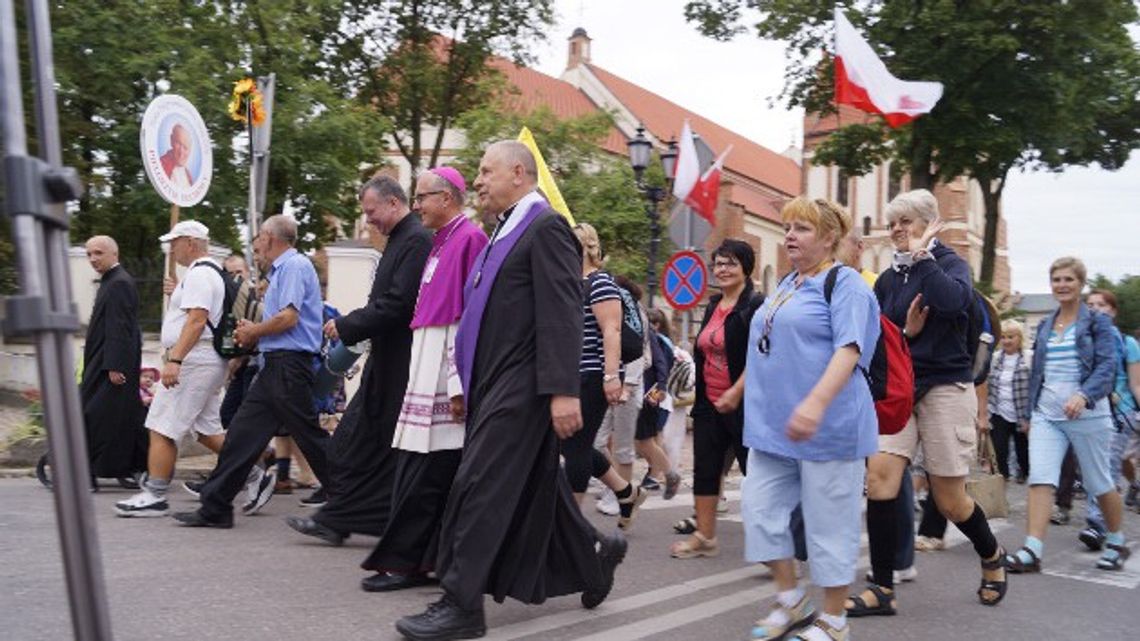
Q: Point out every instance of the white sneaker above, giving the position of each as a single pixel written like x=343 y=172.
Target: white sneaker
x=607 y=503
x=143 y=504
x=264 y=492
x=253 y=483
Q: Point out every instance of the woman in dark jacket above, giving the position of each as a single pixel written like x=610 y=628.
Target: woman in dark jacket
x=718 y=417
x=928 y=286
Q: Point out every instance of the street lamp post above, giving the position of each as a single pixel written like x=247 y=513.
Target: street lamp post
x=640 y=154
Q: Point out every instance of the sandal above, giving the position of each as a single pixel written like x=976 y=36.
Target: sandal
x=1115 y=563
x=885 y=605
x=991 y=585
x=1013 y=562
x=686 y=525
x=689 y=550
x=835 y=634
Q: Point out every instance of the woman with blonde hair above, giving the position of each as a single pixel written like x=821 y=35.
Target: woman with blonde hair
x=810 y=423
x=600 y=369
x=1008 y=401
x=1074 y=368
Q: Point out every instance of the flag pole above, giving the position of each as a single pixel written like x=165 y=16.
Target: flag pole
x=171 y=268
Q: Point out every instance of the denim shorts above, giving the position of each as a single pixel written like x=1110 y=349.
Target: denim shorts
x=1091 y=439
x=831 y=493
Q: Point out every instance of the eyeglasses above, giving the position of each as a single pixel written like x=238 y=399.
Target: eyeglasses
x=422 y=196
x=724 y=264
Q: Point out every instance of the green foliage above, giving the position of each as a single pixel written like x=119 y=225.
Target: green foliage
x=424 y=63
x=113 y=58
x=599 y=188
x=1036 y=85
x=1127 y=291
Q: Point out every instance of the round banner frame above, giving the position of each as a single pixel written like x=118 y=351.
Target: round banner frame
x=176 y=150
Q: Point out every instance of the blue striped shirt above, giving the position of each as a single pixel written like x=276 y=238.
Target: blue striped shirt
x=1063 y=377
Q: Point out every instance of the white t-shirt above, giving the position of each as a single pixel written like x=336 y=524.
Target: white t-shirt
x=200 y=288
x=1005 y=406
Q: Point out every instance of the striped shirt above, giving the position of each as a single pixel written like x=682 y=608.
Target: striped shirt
x=1063 y=377
x=599 y=286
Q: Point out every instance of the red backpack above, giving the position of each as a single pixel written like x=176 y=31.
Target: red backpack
x=891 y=376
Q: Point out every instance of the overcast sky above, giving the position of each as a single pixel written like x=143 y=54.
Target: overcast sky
x=1090 y=213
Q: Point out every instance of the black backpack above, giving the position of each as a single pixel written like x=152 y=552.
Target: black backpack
x=983 y=328
x=632 y=330
x=240 y=302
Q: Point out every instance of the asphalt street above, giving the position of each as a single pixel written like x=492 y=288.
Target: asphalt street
x=262 y=582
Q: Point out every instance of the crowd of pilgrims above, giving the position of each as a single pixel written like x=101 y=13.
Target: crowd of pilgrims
x=501 y=384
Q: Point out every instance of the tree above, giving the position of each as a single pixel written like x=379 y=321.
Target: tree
x=598 y=187
x=1029 y=85
x=114 y=58
x=423 y=63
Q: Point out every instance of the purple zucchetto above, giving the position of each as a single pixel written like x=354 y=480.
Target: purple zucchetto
x=451 y=175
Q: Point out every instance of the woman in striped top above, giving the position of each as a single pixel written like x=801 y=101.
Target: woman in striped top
x=1074 y=362
x=600 y=370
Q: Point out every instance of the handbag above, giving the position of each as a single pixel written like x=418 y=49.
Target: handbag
x=987 y=487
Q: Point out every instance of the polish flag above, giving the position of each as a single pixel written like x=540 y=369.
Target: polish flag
x=863 y=81
x=704 y=195
x=688 y=168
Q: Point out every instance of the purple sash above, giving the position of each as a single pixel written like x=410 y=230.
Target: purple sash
x=478 y=289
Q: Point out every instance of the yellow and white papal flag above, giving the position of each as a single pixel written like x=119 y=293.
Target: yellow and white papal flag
x=545 y=180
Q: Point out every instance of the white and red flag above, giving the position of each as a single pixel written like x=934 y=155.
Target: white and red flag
x=704 y=195
x=863 y=81
x=688 y=168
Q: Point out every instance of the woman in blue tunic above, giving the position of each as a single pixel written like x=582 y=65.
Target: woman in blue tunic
x=809 y=422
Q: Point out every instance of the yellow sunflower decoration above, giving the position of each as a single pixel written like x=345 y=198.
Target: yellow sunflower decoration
x=245 y=103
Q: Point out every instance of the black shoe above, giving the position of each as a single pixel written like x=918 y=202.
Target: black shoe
x=310 y=527
x=390 y=582
x=1092 y=538
x=316 y=499
x=193 y=488
x=611 y=552
x=649 y=483
x=196 y=519
x=442 y=621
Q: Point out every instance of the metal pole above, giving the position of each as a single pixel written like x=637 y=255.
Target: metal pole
x=654 y=242
x=687 y=315
x=36 y=193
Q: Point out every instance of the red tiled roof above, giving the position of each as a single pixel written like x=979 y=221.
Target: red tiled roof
x=664 y=119
x=537 y=89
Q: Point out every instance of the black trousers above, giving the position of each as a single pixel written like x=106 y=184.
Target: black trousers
x=1070 y=472
x=583 y=460
x=419 y=494
x=281 y=397
x=1004 y=430
x=715 y=435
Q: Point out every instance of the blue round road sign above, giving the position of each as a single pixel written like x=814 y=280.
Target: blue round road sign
x=684 y=280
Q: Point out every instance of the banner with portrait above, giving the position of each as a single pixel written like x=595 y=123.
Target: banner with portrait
x=176 y=150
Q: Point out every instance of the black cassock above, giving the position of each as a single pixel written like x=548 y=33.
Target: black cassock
x=511 y=526
x=361 y=460
x=113 y=414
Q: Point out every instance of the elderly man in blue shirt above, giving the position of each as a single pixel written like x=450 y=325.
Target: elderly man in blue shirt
x=289 y=338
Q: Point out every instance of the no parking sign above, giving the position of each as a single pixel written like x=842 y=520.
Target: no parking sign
x=684 y=280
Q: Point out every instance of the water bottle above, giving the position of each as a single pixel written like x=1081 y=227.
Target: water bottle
x=229 y=325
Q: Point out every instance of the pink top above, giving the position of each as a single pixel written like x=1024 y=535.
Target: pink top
x=711 y=343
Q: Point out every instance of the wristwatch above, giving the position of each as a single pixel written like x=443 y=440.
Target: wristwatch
x=609 y=377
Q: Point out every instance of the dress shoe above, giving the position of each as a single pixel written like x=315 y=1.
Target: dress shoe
x=197 y=519
x=442 y=621
x=611 y=552
x=392 y=581
x=309 y=527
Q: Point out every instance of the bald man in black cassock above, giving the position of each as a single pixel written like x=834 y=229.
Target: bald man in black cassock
x=511 y=526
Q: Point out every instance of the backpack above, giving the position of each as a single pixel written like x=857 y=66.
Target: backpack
x=632 y=330
x=681 y=383
x=983 y=319
x=240 y=302
x=891 y=375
